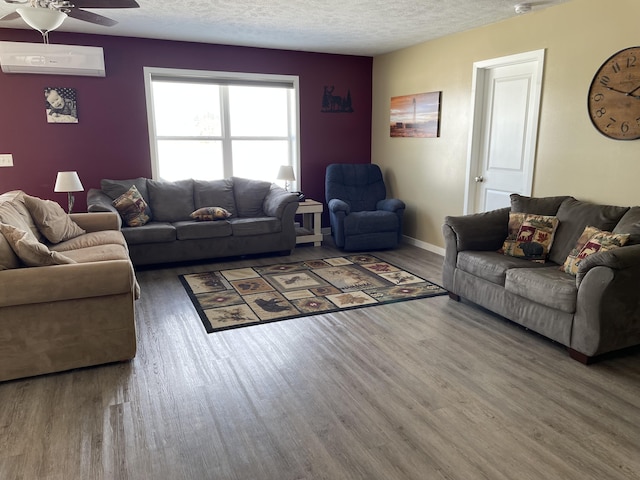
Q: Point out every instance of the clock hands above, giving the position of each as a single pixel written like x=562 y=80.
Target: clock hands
x=629 y=93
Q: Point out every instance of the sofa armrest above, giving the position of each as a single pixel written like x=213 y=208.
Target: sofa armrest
x=96 y=222
x=276 y=201
x=479 y=231
x=607 y=315
x=617 y=259
x=391 y=205
x=55 y=283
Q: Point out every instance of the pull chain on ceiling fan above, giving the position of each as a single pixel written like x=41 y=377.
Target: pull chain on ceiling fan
x=47 y=15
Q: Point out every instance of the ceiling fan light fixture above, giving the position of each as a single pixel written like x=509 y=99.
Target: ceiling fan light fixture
x=42 y=19
x=522 y=8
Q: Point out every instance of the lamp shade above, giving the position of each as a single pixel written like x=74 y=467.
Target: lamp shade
x=68 y=182
x=286 y=173
x=42 y=19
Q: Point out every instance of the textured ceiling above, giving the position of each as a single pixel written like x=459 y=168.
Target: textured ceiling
x=357 y=27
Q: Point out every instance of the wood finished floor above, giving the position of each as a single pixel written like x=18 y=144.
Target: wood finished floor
x=425 y=389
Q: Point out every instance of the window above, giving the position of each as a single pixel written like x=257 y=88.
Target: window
x=213 y=125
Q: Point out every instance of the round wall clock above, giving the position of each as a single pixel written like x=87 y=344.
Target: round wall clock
x=614 y=96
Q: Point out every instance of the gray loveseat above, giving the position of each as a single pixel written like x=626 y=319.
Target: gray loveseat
x=593 y=313
x=261 y=221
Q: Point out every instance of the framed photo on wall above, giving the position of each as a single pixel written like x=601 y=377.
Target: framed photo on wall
x=416 y=115
x=61 y=104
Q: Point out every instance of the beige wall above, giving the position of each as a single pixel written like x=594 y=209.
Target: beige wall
x=573 y=158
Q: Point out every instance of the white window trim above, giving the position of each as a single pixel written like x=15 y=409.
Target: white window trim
x=175 y=73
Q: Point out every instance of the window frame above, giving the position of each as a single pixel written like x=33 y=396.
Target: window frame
x=228 y=78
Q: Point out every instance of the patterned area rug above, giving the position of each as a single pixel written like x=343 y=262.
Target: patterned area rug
x=248 y=296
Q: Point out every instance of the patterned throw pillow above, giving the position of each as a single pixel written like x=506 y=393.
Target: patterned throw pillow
x=206 y=214
x=591 y=241
x=132 y=207
x=530 y=236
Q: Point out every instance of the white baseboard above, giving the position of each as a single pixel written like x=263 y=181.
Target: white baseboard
x=423 y=245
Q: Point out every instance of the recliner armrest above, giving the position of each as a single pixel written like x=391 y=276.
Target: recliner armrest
x=336 y=205
x=390 y=204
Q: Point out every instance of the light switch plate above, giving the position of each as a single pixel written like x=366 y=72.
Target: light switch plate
x=6 y=160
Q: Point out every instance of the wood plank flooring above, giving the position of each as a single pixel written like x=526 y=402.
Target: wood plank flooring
x=425 y=389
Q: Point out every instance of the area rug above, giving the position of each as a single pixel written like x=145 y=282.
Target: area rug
x=247 y=296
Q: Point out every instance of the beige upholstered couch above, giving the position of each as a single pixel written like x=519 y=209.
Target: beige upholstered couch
x=77 y=313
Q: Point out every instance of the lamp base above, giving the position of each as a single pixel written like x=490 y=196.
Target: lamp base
x=70 y=201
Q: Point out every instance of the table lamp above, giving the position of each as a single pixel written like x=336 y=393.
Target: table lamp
x=68 y=182
x=286 y=173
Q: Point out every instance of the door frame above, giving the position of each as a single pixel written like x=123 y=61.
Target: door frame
x=478 y=84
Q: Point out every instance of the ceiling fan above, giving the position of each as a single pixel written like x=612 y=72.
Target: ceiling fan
x=47 y=15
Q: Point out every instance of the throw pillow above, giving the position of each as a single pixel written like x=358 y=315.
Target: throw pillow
x=591 y=241
x=205 y=214
x=30 y=250
x=51 y=220
x=132 y=208
x=534 y=237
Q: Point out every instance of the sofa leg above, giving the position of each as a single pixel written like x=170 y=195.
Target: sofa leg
x=454 y=296
x=580 y=357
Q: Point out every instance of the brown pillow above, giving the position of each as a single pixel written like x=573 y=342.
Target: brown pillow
x=30 y=250
x=205 y=214
x=51 y=220
x=132 y=208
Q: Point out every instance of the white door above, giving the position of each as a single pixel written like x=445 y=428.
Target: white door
x=502 y=146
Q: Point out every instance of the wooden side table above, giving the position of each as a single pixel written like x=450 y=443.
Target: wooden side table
x=311 y=229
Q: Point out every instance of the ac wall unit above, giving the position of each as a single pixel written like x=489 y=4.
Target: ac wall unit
x=51 y=59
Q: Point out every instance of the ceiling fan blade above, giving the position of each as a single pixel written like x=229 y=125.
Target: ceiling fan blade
x=10 y=16
x=91 y=17
x=18 y=2
x=105 y=3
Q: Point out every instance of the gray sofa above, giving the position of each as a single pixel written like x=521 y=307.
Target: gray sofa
x=261 y=221
x=593 y=313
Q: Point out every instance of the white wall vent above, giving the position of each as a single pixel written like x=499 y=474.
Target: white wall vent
x=51 y=59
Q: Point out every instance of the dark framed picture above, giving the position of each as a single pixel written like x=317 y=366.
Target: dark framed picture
x=61 y=104
x=416 y=115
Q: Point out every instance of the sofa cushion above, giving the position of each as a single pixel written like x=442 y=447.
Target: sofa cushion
x=98 y=253
x=171 y=201
x=30 y=250
x=208 y=214
x=548 y=286
x=358 y=223
x=154 y=232
x=132 y=208
x=244 y=227
x=592 y=241
x=91 y=239
x=8 y=258
x=115 y=188
x=192 y=230
x=52 y=221
x=16 y=213
x=534 y=237
x=574 y=215
x=630 y=223
x=249 y=196
x=539 y=206
x=215 y=192
x=491 y=266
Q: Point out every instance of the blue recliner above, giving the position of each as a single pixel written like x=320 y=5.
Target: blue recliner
x=361 y=216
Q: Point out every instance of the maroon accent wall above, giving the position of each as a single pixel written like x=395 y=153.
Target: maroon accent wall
x=111 y=138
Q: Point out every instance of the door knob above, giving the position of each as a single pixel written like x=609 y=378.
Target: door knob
x=479 y=179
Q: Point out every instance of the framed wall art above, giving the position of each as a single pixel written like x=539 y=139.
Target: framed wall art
x=416 y=115
x=61 y=104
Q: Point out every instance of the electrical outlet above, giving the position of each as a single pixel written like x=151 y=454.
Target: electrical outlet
x=6 y=160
